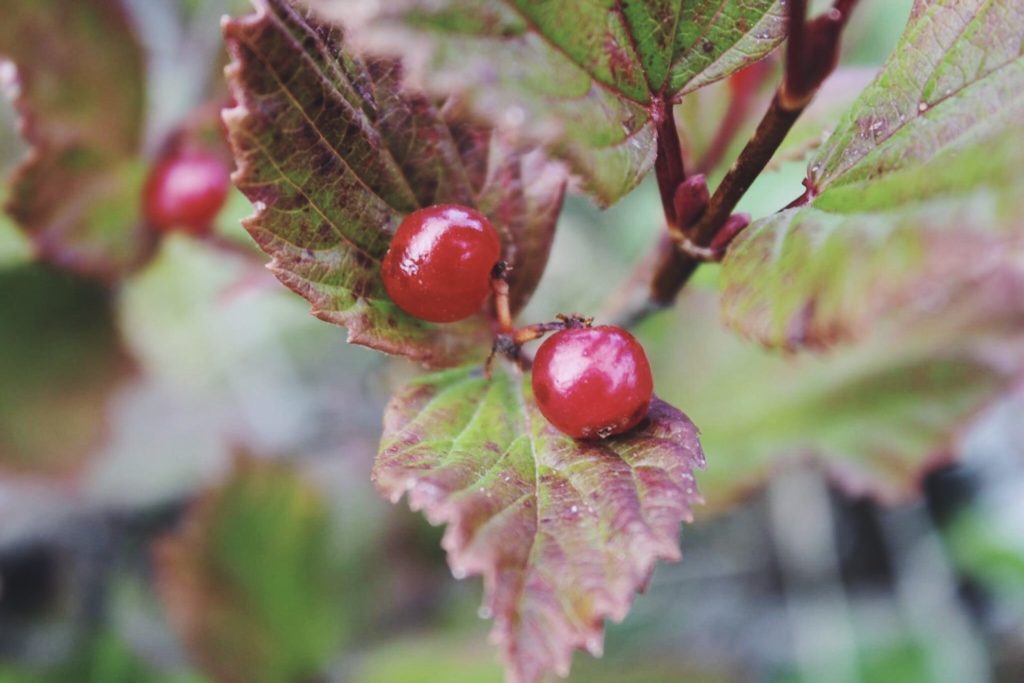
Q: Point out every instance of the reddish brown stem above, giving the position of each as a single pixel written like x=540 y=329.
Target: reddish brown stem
x=509 y=342
x=812 y=52
x=502 y=307
x=796 y=42
x=755 y=156
x=674 y=267
x=668 y=165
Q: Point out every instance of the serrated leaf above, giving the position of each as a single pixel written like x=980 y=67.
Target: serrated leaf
x=563 y=531
x=333 y=156
x=79 y=94
x=584 y=76
x=248 y=579
x=877 y=415
x=919 y=188
x=61 y=361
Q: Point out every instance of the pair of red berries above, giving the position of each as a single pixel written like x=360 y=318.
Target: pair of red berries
x=587 y=381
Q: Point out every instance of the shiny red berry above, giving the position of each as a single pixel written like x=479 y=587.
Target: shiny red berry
x=186 y=191
x=592 y=382
x=439 y=265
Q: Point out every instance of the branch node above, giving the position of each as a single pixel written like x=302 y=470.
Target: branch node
x=695 y=251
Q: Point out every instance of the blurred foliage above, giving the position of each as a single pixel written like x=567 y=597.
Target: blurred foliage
x=130 y=400
x=105 y=659
x=60 y=361
x=252 y=580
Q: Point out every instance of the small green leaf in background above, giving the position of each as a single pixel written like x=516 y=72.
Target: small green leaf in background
x=80 y=96
x=920 y=190
x=61 y=362
x=877 y=415
x=563 y=531
x=580 y=75
x=251 y=581
x=332 y=156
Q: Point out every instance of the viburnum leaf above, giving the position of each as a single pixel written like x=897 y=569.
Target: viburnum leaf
x=333 y=155
x=877 y=415
x=589 y=77
x=61 y=362
x=918 y=191
x=562 y=531
x=249 y=580
x=80 y=97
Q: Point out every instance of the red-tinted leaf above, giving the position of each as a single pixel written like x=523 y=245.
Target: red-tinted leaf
x=77 y=84
x=583 y=76
x=563 y=531
x=917 y=194
x=333 y=155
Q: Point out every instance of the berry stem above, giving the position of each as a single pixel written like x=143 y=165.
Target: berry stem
x=535 y=331
x=502 y=308
x=510 y=342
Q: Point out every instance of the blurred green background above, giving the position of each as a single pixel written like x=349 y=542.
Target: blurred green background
x=185 y=495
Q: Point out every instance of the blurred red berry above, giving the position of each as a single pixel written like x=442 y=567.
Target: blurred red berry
x=186 y=191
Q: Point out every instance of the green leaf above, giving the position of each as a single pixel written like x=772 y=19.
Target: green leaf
x=562 y=531
x=333 y=156
x=918 y=188
x=61 y=362
x=876 y=415
x=585 y=76
x=250 y=580
x=79 y=94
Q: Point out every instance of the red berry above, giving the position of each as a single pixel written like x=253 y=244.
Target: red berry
x=593 y=381
x=186 y=191
x=439 y=265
